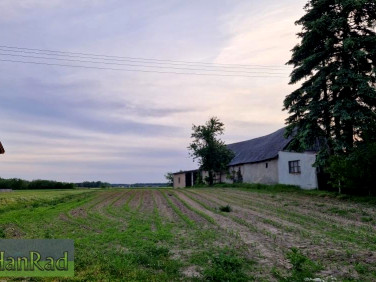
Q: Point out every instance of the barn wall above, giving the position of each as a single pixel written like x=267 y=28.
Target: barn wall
x=217 y=177
x=259 y=173
x=307 y=178
x=181 y=183
x=263 y=172
x=225 y=179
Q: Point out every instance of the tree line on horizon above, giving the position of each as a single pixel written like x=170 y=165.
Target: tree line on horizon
x=21 y=184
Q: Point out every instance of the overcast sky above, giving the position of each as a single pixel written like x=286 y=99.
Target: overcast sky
x=76 y=124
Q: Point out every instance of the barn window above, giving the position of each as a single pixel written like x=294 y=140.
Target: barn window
x=294 y=166
x=266 y=165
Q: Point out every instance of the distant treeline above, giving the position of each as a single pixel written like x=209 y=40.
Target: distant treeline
x=20 y=184
x=93 y=184
x=147 y=185
x=99 y=184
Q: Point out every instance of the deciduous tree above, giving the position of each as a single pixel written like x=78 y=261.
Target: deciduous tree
x=212 y=154
x=170 y=178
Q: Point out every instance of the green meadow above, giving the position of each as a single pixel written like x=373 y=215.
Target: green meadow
x=201 y=234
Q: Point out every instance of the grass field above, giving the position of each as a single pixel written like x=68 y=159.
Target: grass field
x=215 y=234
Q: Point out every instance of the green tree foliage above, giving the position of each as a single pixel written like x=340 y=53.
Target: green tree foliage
x=20 y=184
x=170 y=178
x=211 y=152
x=354 y=173
x=335 y=62
x=93 y=184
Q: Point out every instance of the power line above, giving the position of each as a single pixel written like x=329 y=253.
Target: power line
x=138 y=65
x=143 y=59
x=137 y=61
x=135 y=70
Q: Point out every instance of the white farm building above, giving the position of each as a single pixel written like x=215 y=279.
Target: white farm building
x=262 y=160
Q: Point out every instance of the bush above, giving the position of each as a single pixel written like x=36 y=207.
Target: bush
x=225 y=208
x=353 y=173
x=225 y=266
x=302 y=267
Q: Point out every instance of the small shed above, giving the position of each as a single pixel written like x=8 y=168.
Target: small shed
x=185 y=178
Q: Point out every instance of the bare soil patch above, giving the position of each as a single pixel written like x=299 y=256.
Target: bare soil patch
x=122 y=200
x=79 y=212
x=135 y=202
x=192 y=272
x=192 y=215
x=164 y=208
x=12 y=231
x=147 y=203
x=105 y=199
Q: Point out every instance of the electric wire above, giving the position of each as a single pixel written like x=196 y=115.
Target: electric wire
x=138 y=65
x=135 y=70
x=22 y=49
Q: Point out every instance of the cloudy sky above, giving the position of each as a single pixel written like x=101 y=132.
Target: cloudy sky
x=76 y=124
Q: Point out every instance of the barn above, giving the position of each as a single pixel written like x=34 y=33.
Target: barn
x=263 y=160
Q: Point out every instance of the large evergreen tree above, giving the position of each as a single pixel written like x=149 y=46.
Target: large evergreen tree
x=211 y=152
x=335 y=63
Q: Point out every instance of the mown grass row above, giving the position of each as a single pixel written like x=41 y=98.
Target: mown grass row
x=333 y=230
x=347 y=239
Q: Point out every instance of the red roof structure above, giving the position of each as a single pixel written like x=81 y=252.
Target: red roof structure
x=2 y=151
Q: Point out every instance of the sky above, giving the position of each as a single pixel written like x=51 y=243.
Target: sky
x=76 y=124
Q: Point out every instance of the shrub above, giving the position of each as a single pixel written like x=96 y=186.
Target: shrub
x=226 y=208
x=353 y=173
x=302 y=267
x=225 y=266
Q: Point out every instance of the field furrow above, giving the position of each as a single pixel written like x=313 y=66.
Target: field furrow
x=209 y=234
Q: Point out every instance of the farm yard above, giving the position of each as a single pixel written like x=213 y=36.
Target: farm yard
x=197 y=234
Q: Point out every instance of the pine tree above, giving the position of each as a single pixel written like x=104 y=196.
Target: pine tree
x=335 y=61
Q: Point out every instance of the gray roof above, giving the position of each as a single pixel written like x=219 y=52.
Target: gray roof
x=259 y=149
x=186 y=171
